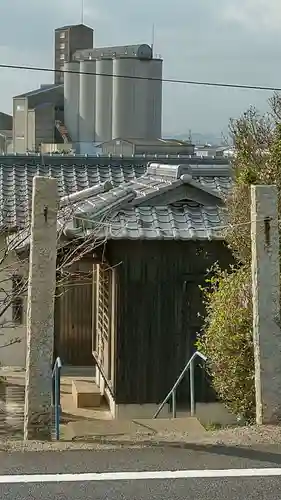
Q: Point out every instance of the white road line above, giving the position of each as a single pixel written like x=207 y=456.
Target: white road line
x=141 y=475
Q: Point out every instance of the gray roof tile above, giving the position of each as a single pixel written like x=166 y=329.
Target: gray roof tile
x=111 y=214
x=184 y=221
x=16 y=184
x=222 y=185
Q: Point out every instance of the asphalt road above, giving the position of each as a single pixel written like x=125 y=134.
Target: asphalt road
x=189 y=458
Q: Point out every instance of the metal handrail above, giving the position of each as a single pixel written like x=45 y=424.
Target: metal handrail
x=100 y=369
x=56 y=395
x=189 y=365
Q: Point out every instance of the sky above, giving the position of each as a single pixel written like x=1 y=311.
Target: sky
x=231 y=41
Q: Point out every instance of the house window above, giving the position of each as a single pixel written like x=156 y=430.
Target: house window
x=62 y=34
x=103 y=317
x=17 y=299
x=104 y=302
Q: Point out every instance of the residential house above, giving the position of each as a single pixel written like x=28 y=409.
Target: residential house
x=153 y=240
x=130 y=301
x=16 y=174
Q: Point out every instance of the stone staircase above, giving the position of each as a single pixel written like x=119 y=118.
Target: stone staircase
x=12 y=394
x=85 y=393
x=86 y=416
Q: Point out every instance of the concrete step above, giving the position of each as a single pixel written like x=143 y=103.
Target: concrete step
x=85 y=393
x=92 y=429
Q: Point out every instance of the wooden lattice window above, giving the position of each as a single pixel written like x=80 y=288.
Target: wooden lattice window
x=104 y=301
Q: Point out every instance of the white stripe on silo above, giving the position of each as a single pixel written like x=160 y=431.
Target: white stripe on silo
x=71 y=99
x=104 y=100
x=87 y=98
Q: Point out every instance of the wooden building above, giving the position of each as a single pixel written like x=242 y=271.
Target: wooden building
x=153 y=241
x=130 y=303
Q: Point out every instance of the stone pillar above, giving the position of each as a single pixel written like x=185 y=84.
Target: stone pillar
x=266 y=303
x=40 y=309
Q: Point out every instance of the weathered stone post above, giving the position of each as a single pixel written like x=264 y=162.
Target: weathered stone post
x=266 y=303
x=40 y=309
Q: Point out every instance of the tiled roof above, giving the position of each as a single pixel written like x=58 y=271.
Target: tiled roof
x=141 y=187
x=145 y=188
x=16 y=184
x=183 y=221
x=114 y=214
x=221 y=185
x=131 y=183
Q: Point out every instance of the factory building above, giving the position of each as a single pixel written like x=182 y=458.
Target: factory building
x=113 y=92
x=105 y=93
x=36 y=118
x=6 y=133
x=69 y=39
x=142 y=147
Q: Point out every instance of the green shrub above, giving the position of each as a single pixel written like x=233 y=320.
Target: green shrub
x=227 y=339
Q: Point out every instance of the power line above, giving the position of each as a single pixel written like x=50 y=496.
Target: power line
x=164 y=80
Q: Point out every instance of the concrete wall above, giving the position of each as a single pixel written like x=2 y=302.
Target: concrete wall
x=104 y=100
x=30 y=136
x=129 y=97
x=13 y=355
x=87 y=101
x=20 y=124
x=46 y=148
x=71 y=99
x=137 y=98
x=154 y=99
x=44 y=124
x=6 y=121
x=73 y=38
x=6 y=141
x=118 y=147
x=25 y=124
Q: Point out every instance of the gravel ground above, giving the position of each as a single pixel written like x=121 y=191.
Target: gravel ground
x=240 y=436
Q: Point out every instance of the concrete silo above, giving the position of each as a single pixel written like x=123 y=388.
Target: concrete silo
x=87 y=104
x=128 y=92
x=104 y=100
x=136 y=99
x=71 y=99
x=155 y=84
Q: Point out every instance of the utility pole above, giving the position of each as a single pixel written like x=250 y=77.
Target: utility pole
x=40 y=309
x=266 y=303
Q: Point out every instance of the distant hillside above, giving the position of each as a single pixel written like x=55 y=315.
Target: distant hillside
x=198 y=138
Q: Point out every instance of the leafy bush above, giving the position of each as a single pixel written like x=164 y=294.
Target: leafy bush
x=226 y=338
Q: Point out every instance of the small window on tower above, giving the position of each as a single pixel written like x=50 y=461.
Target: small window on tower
x=62 y=46
x=62 y=34
x=62 y=56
